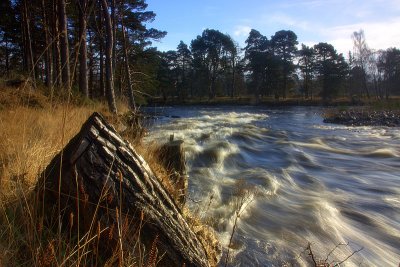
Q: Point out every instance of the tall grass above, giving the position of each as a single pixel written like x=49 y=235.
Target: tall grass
x=33 y=129
x=32 y=132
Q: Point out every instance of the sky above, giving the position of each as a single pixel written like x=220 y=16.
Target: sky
x=314 y=21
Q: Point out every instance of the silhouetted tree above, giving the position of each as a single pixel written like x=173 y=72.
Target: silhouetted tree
x=284 y=44
x=255 y=57
x=331 y=69
x=307 y=64
x=183 y=62
x=389 y=65
x=10 y=33
x=209 y=52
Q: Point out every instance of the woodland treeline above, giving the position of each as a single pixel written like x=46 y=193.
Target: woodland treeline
x=94 y=47
x=214 y=65
x=103 y=49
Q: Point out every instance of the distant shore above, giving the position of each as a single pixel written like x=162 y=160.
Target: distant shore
x=343 y=111
x=360 y=117
x=251 y=101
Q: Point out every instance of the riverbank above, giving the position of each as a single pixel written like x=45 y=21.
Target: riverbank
x=252 y=101
x=350 y=112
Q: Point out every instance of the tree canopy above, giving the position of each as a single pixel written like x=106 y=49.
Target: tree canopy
x=103 y=49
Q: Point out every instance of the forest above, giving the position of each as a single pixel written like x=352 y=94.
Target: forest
x=104 y=49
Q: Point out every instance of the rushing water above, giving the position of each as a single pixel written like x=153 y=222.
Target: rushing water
x=320 y=183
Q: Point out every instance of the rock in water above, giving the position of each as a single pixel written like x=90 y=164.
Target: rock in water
x=100 y=179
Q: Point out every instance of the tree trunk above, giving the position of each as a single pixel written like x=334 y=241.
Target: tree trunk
x=83 y=79
x=65 y=76
x=56 y=45
x=101 y=66
x=233 y=78
x=284 y=84
x=101 y=51
x=91 y=65
x=131 y=95
x=109 y=82
x=7 y=54
x=99 y=176
x=172 y=157
x=30 y=61
x=365 y=84
x=120 y=76
x=47 y=60
x=23 y=42
x=114 y=30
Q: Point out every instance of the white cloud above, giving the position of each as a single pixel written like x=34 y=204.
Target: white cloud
x=241 y=31
x=307 y=3
x=379 y=35
x=285 y=20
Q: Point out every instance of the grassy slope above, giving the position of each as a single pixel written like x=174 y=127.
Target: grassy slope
x=33 y=129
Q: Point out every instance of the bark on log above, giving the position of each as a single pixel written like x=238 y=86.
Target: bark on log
x=98 y=172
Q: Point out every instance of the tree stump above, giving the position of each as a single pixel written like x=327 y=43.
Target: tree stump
x=100 y=179
x=172 y=156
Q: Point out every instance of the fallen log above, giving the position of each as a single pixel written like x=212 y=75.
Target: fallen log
x=99 y=179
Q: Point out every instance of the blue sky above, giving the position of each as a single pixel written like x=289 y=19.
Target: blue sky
x=313 y=21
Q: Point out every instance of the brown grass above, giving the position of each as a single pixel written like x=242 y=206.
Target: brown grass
x=206 y=236
x=33 y=129
x=149 y=153
x=30 y=137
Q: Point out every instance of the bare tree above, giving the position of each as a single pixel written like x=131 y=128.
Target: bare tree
x=375 y=73
x=361 y=56
x=109 y=47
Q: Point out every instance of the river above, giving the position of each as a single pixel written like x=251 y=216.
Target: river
x=311 y=182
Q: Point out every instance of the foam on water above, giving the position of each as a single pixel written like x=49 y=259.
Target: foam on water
x=385 y=152
x=318 y=183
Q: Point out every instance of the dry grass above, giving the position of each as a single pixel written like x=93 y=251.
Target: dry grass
x=33 y=129
x=206 y=236
x=149 y=153
x=29 y=139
